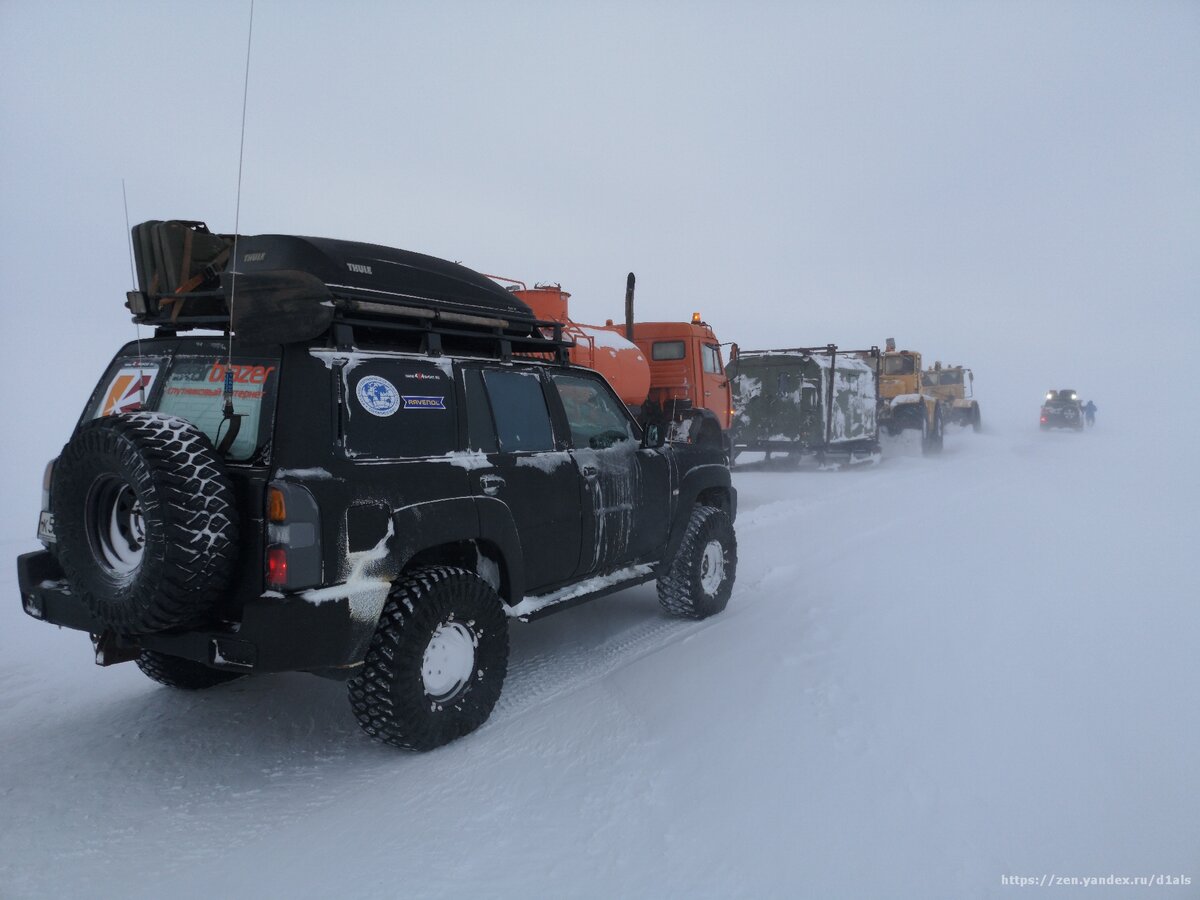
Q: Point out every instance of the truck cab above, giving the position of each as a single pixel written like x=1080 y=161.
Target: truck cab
x=686 y=367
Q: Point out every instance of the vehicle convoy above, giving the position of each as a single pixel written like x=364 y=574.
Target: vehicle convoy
x=670 y=373
x=817 y=401
x=954 y=387
x=1061 y=409
x=904 y=403
x=366 y=482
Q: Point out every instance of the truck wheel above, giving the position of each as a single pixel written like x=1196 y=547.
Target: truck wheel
x=700 y=579
x=976 y=421
x=186 y=674
x=436 y=663
x=146 y=521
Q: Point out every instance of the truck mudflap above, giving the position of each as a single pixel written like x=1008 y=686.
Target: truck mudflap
x=320 y=636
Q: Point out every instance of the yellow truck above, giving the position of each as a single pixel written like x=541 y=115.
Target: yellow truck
x=904 y=403
x=954 y=388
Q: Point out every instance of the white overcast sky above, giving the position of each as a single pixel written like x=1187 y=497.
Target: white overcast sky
x=1014 y=185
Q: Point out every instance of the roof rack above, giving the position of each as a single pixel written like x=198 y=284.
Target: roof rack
x=827 y=350
x=286 y=289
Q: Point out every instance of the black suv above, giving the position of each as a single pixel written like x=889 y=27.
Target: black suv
x=1061 y=409
x=388 y=461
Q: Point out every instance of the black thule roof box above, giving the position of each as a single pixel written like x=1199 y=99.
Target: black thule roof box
x=284 y=288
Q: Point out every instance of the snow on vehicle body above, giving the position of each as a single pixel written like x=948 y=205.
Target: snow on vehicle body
x=954 y=387
x=807 y=400
x=399 y=482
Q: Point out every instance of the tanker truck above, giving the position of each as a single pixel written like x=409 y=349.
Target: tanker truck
x=670 y=373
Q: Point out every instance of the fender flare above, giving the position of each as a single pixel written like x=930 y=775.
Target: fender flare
x=695 y=482
x=425 y=526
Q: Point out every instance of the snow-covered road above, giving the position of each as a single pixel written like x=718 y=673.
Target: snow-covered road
x=933 y=673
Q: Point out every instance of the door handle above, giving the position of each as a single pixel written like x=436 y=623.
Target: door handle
x=589 y=471
x=491 y=484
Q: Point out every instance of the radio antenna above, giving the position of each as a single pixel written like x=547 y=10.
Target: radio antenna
x=230 y=417
x=133 y=287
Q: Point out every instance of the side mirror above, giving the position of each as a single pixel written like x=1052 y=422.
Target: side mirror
x=653 y=436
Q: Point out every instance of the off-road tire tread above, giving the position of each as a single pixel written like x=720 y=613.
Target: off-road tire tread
x=387 y=695
x=180 y=477
x=679 y=591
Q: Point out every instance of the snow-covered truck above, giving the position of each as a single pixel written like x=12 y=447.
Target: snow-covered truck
x=954 y=386
x=904 y=403
x=805 y=401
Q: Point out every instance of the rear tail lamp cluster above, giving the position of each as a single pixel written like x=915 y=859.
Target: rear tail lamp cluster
x=293 y=555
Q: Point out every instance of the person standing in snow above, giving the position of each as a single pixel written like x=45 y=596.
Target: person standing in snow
x=1089 y=412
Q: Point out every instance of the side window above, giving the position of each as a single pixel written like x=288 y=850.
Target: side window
x=400 y=408
x=663 y=350
x=710 y=359
x=481 y=430
x=594 y=414
x=519 y=410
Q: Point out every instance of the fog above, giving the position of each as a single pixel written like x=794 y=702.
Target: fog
x=1010 y=186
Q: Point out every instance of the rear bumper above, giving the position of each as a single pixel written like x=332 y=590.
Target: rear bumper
x=276 y=634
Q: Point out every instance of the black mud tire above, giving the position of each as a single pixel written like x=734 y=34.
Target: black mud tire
x=184 y=674
x=389 y=696
x=170 y=544
x=687 y=588
x=976 y=420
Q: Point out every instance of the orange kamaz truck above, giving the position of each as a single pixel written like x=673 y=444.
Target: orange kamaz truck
x=670 y=372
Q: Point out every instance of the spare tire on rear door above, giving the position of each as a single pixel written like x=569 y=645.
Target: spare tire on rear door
x=145 y=520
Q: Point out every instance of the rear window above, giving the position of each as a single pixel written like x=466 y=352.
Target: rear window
x=192 y=387
x=400 y=408
x=664 y=350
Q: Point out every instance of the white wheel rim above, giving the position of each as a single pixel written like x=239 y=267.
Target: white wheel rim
x=448 y=662
x=712 y=567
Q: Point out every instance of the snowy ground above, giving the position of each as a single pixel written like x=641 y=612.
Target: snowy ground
x=933 y=673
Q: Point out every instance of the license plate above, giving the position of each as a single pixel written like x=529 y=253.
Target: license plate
x=46 y=527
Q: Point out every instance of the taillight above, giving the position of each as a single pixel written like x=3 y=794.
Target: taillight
x=276 y=505
x=293 y=537
x=277 y=567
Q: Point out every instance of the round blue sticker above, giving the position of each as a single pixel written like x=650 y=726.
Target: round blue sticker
x=378 y=396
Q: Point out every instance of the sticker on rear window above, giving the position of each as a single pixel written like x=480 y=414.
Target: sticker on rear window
x=128 y=390
x=377 y=396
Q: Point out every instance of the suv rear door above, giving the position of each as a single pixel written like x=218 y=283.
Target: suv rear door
x=508 y=421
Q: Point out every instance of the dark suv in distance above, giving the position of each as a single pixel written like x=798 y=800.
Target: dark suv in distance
x=1061 y=409
x=389 y=461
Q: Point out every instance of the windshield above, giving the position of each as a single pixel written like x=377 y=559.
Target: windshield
x=898 y=365
x=192 y=387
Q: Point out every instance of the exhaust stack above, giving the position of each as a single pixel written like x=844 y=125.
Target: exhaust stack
x=629 y=283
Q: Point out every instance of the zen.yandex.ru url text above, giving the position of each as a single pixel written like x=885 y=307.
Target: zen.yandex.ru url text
x=1052 y=880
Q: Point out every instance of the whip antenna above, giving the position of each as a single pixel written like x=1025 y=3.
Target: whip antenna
x=133 y=287
x=234 y=421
